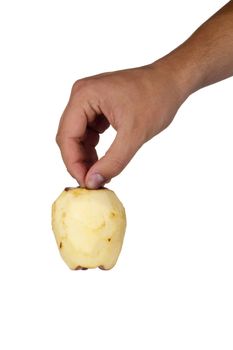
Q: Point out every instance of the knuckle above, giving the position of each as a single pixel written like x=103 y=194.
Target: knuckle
x=58 y=139
x=78 y=85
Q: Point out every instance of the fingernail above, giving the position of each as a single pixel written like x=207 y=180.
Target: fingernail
x=95 y=181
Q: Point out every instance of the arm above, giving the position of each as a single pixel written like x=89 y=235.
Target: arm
x=139 y=103
x=207 y=56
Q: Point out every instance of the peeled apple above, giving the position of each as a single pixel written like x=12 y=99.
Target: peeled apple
x=89 y=227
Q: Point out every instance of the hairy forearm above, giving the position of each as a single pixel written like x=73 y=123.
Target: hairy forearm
x=207 y=56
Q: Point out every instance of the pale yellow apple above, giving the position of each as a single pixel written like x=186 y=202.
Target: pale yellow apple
x=89 y=227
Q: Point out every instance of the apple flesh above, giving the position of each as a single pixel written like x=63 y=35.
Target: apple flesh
x=89 y=227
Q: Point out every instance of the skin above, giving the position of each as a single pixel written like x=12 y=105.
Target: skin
x=141 y=102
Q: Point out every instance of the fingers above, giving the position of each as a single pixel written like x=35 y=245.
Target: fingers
x=91 y=138
x=115 y=160
x=100 y=124
x=77 y=137
x=71 y=131
x=76 y=159
x=78 y=132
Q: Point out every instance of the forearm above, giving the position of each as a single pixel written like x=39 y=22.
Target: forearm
x=207 y=56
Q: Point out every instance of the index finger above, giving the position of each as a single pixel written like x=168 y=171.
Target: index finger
x=71 y=131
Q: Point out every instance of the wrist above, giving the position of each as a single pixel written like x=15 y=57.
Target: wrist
x=182 y=67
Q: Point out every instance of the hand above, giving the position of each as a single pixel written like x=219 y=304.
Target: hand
x=138 y=103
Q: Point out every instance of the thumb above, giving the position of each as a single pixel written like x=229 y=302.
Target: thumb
x=113 y=162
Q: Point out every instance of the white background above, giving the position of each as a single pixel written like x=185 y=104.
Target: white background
x=172 y=286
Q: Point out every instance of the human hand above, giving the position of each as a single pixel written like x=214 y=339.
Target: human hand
x=138 y=103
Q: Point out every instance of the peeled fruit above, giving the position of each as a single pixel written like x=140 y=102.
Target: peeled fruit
x=89 y=227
